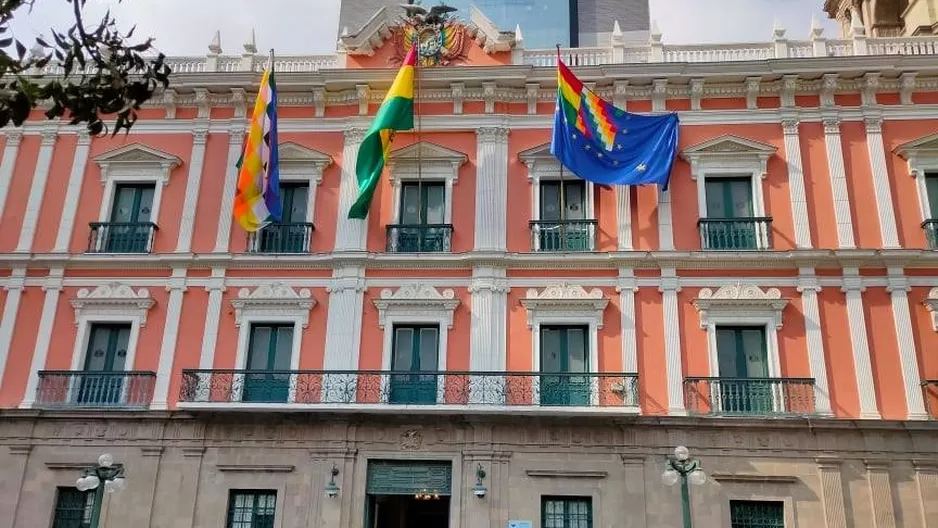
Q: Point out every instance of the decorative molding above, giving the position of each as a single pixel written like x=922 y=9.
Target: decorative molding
x=565 y=299
x=564 y=473
x=742 y=300
x=931 y=304
x=458 y=91
x=487 y=35
x=754 y=478
x=112 y=299
x=434 y=162
x=135 y=157
x=921 y=157
x=414 y=301
x=295 y=156
x=254 y=468
x=277 y=299
x=728 y=147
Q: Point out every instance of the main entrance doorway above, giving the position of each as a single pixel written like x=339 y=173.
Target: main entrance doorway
x=408 y=494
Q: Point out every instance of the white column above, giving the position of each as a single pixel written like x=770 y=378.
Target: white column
x=14 y=288
x=669 y=289
x=344 y=319
x=853 y=288
x=73 y=192
x=799 y=203
x=627 y=286
x=37 y=190
x=488 y=337
x=215 y=289
x=350 y=233
x=665 y=227
x=624 y=215
x=808 y=287
x=898 y=288
x=193 y=183
x=176 y=287
x=52 y=287
x=838 y=176
x=887 y=217
x=491 y=228
x=235 y=144
x=10 y=150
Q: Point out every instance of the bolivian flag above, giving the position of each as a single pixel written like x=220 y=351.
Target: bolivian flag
x=396 y=113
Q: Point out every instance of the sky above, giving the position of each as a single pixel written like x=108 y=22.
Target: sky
x=309 y=27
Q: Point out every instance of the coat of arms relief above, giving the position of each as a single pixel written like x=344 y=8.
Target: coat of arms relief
x=440 y=37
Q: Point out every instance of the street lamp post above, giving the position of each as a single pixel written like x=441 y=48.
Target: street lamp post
x=103 y=478
x=681 y=467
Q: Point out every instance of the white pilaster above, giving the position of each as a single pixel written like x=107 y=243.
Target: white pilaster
x=215 y=289
x=52 y=287
x=808 y=287
x=350 y=233
x=10 y=150
x=73 y=193
x=38 y=189
x=235 y=144
x=669 y=288
x=881 y=189
x=491 y=228
x=898 y=288
x=627 y=286
x=838 y=176
x=193 y=184
x=665 y=227
x=176 y=287
x=853 y=288
x=14 y=288
x=344 y=320
x=488 y=340
x=799 y=202
x=624 y=215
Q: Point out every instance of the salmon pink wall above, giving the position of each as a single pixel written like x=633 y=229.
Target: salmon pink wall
x=860 y=185
x=519 y=188
x=792 y=346
x=838 y=352
x=214 y=172
x=817 y=185
x=905 y=198
x=926 y=338
x=645 y=218
x=21 y=347
x=652 y=366
x=314 y=337
x=884 y=354
x=50 y=212
x=189 y=338
x=18 y=193
x=607 y=227
x=695 y=351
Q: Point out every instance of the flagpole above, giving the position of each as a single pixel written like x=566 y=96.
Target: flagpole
x=563 y=205
x=270 y=60
x=419 y=123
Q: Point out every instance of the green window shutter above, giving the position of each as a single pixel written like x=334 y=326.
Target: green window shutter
x=931 y=188
x=397 y=477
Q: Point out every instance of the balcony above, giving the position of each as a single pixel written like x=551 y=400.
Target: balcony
x=457 y=392
x=65 y=389
x=930 y=390
x=420 y=238
x=121 y=237
x=563 y=235
x=763 y=397
x=288 y=238
x=931 y=233
x=734 y=234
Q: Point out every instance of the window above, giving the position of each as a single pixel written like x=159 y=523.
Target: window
x=564 y=352
x=130 y=226
x=743 y=364
x=931 y=221
x=415 y=351
x=757 y=514
x=270 y=350
x=422 y=219
x=563 y=224
x=292 y=234
x=72 y=508
x=251 y=509
x=102 y=379
x=566 y=512
x=730 y=222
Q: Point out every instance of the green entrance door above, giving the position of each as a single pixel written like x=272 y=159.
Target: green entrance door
x=744 y=370
x=130 y=227
x=102 y=383
x=416 y=351
x=564 y=354
x=268 y=378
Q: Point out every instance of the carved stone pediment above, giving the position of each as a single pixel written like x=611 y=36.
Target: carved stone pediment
x=295 y=157
x=540 y=162
x=137 y=157
x=565 y=299
x=925 y=144
x=274 y=299
x=416 y=300
x=931 y=304
x=740 y=300
x=738 y=151
x=112 y=299
x=436 y=161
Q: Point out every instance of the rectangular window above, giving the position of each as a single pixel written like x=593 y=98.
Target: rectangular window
x=729 y=197
x=130 y=227
x=416 y=350
x=422 y=203
x=563 y=200
x=563 y=224
x=72 y=508
x=564 y=360
x=744 y=368
x=292 y=233
x=931 y=188
x=566 y=512
x=757 y=514
x=102 y=378
x=270 y=350
x=251 y=508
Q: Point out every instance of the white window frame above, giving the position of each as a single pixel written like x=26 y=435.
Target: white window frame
x=415 y=304
x=543 y=166
x=565 y=304
x=299 y=164
x=744 y=305
x=931 y=304
x=135 y=163
x=270 y=303
x=730 y=156
x=427 y=162
x=921 y=156
x=108 y=303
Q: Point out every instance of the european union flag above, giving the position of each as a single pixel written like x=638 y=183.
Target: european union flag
x=606 y=145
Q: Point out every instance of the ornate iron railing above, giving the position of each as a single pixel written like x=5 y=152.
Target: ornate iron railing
x=457 y=389
x=420 y=238
x=749 y=396
x=930 y=393
x=78 y=389
x=735 y=233
x=563 y=235
x=281 y=238
x=121 y=237
x=931 y=232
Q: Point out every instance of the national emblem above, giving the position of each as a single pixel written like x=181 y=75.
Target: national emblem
x=441 y=39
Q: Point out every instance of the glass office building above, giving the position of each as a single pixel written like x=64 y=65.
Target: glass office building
x=544 y=23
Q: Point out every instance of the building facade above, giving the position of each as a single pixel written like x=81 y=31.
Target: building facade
x=883 y=18
x=499 y=343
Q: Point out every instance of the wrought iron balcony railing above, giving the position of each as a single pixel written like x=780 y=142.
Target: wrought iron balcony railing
x=281 y=238
x=563 y=235
x=420 y=238
x=931 y=232
x=930 y=390
x=459 y=391
x=121 y=237
x=67 y=389
x=735 y=233
x=749 y=397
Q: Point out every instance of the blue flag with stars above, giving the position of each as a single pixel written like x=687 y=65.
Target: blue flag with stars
x=607 y=145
